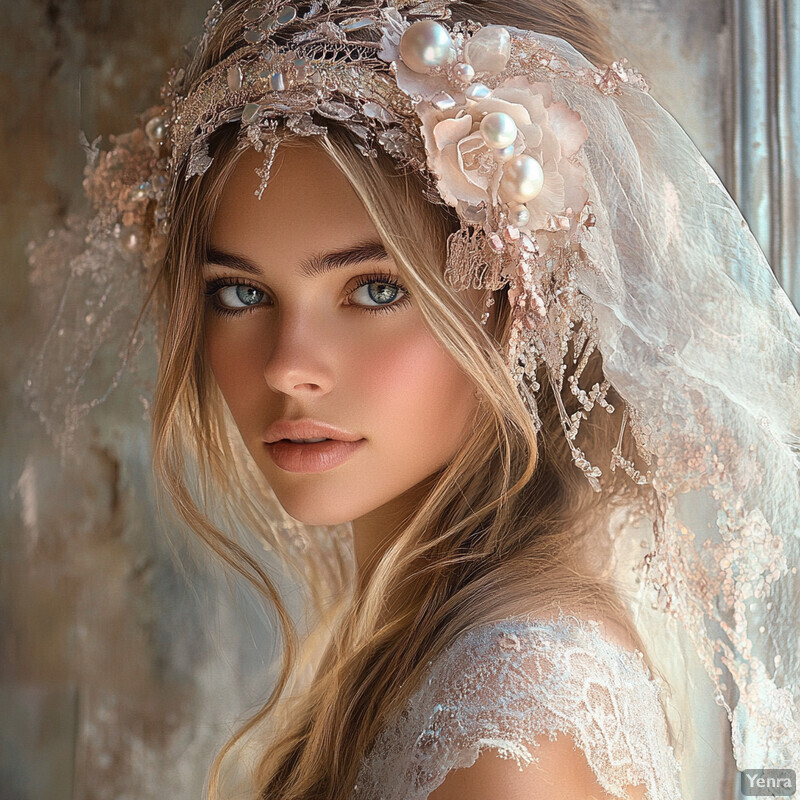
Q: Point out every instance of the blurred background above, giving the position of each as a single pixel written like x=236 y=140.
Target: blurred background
x=125 y=659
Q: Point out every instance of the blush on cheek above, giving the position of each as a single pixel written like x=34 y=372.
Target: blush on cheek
x=401 y=370
x=423 y=392
x=224 y=360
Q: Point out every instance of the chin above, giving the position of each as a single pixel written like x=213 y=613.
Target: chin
x=332 y=505
x=314 y=510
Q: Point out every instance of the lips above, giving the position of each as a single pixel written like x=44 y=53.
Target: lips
x=304 y=429
x=287 y=442
x=313 y=456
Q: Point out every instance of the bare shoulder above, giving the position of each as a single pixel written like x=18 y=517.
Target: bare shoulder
x=561 y=770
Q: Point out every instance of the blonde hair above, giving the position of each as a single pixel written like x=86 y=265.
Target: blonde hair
x=495 y=536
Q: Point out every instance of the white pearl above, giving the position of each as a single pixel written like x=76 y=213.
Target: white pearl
x=477 y=91
x=498 y=130
x=519 y=216
x=156 y=130
x=523 y=179
x=424 y=45
x=489 y=49
x=464 y=72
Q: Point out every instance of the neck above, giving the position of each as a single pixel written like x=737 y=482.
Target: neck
x=375 y=531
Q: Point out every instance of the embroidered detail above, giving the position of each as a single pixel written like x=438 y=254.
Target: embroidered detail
x=504 y=685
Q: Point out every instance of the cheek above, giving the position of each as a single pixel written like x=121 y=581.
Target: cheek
x=233 y=355
x=420 y=391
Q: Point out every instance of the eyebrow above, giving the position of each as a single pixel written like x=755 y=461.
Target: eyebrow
x=317 y=264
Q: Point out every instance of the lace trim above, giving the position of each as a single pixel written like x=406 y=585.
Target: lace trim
x=502 y=686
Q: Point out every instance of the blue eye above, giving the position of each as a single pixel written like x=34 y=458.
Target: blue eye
x=239 y=296
x=378 y=293
x=374 y=293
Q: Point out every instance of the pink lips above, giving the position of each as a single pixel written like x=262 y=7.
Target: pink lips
x=309 y=457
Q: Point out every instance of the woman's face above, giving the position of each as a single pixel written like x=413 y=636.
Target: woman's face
x=311 y=335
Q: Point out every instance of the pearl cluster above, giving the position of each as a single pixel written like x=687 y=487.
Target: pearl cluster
x=426 y=47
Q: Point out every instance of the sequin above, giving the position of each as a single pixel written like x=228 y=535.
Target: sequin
x=443 y=101
x=250 y=112
x=277 y=82
x=254 y=36
x=254 y=13
x=375 y=111
x=335 y=110
x=356 y=24
x=235 y=78
x=286 y=15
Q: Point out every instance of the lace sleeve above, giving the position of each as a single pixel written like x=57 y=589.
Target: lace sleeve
x=502 y=686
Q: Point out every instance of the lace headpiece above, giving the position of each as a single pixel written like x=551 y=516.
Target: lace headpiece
x=576 y=191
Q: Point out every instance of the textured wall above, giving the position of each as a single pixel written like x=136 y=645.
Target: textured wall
x=681 y=47
x=120 y=678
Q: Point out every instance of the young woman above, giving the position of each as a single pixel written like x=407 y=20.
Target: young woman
x=438 y=296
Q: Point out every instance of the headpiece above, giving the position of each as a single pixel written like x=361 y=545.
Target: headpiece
x=578 y=192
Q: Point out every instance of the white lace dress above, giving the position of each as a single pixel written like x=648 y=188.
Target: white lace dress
x=502 y=686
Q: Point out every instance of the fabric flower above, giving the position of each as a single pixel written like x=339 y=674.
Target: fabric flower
x=466 y=167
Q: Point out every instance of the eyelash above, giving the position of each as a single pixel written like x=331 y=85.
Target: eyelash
x=390 y=280
x=213 y=286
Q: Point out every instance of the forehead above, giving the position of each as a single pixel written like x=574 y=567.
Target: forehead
x=308 y=205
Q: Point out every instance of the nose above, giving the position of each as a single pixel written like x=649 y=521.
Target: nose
x=300 y=359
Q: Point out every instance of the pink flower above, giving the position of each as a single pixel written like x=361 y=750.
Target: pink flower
x=467 y=168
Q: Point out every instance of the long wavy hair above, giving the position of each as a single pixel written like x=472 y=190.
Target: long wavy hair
x=504 y=529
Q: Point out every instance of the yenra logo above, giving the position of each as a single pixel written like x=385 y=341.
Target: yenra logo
x=768 y=782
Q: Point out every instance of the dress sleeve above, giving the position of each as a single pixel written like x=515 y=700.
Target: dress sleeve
x=505 y=685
